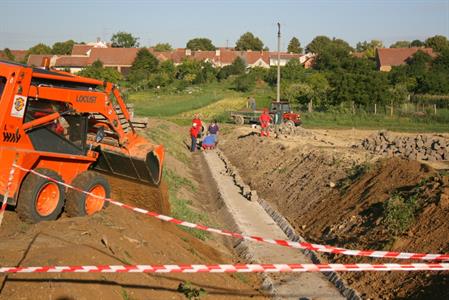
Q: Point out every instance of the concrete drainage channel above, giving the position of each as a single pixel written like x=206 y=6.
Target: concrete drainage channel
x=251 y=215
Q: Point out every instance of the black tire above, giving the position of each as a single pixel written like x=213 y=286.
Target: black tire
x=239 y=120
x=289 y=123
x=30 y=190
x=76 y=201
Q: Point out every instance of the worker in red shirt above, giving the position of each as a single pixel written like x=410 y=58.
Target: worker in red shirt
x=199 y=125
x=264 y=121
x=193 y=136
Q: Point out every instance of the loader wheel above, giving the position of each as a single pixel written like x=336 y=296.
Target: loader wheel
x=40 y=199
x=79 y=204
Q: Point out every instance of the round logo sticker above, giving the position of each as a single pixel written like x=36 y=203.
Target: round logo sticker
x=19 y=103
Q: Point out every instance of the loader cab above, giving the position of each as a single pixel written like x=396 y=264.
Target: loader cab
x=66 y=134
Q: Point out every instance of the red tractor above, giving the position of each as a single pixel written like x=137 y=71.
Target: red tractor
x=281 y=109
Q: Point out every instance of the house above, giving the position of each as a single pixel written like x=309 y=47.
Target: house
x=254 y=59
x=121 y=59
x=284 y=58
x=19 y=55
x=387 y=58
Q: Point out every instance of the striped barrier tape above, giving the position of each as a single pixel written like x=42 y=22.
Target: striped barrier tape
x=285 y=243
x=8 y=187
x=238 y=268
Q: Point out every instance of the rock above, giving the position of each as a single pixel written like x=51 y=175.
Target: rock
x=254 y=197
x=332 y=184
x=444 y=199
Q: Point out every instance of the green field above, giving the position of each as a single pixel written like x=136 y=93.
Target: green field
x=439 y=123
x=214 y=101
x=153 y=104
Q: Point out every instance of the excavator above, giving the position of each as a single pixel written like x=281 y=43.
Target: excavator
x=70 y=129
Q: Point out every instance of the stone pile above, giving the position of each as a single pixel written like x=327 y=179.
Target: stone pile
x=419 y=147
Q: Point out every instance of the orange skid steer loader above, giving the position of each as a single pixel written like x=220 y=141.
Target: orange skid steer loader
x=67 y=127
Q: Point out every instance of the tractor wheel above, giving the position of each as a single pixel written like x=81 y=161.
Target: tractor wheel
x=239 y=120
x=79 y=204
x=289 y=123
x=40 y=199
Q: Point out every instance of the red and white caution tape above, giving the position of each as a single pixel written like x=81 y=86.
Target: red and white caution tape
x=285 y=243
x=239 y=268
x=8 y=187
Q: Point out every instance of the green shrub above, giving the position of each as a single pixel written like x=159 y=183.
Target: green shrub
x=399 y=213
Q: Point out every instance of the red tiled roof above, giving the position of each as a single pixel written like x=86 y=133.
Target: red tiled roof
x=398 y=56
x=37 y=59
x=203 y=55
x=227 y=56
x=285 y=55
x=72 y=61
x=113 y=56
x=19 y=55
x=81 y=49
x=253 y=56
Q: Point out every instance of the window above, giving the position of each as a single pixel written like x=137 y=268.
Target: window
x=67 y=134
x=2 y=86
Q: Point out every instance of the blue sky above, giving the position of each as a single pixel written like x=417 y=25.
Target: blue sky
x=24 y=23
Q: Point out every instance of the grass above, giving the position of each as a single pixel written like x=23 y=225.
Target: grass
x=215 y=100
x=191 y=292
x=153 y=104
x=370 y=121
x=173 y=141
x=181 y=208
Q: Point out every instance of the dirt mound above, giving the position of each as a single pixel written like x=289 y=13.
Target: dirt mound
x=329 y=198
x=119 y=236
x=114 y=236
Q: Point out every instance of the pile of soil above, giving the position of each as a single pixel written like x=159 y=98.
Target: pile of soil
x=118 y=236
x=330 y=198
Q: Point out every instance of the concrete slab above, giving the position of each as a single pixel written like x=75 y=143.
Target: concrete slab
x=251 y=219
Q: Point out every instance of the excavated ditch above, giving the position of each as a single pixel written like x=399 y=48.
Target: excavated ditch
x=332 y=196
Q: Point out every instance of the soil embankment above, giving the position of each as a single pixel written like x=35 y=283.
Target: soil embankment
x=117 y=236
x=335 y=194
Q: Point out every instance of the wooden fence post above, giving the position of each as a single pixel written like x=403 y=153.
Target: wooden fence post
x=375 y=108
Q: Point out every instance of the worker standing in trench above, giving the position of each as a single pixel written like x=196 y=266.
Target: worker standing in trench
x=264 y=121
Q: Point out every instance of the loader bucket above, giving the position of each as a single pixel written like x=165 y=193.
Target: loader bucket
x=146 y=169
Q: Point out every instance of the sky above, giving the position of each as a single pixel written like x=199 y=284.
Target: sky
x=24 y=23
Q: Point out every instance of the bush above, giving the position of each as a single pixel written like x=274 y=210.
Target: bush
x=244 y=83
x=399 y=213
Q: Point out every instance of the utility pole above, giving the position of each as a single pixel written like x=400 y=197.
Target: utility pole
x=278 y=94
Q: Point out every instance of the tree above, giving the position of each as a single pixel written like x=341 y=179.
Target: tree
x=39 y=49
x=417 y=43
x=318 y=43
x=369 y=48
x=144 y=64
x=203 y=44
x=63 y=48
x=8 y=54
x=161 y=47
x=248 y=41
x=294 y=46
x=401 y=44
x=438 y=43
x=238 y=66
x=97 y=71
x=124 y=40
x=244 y=83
